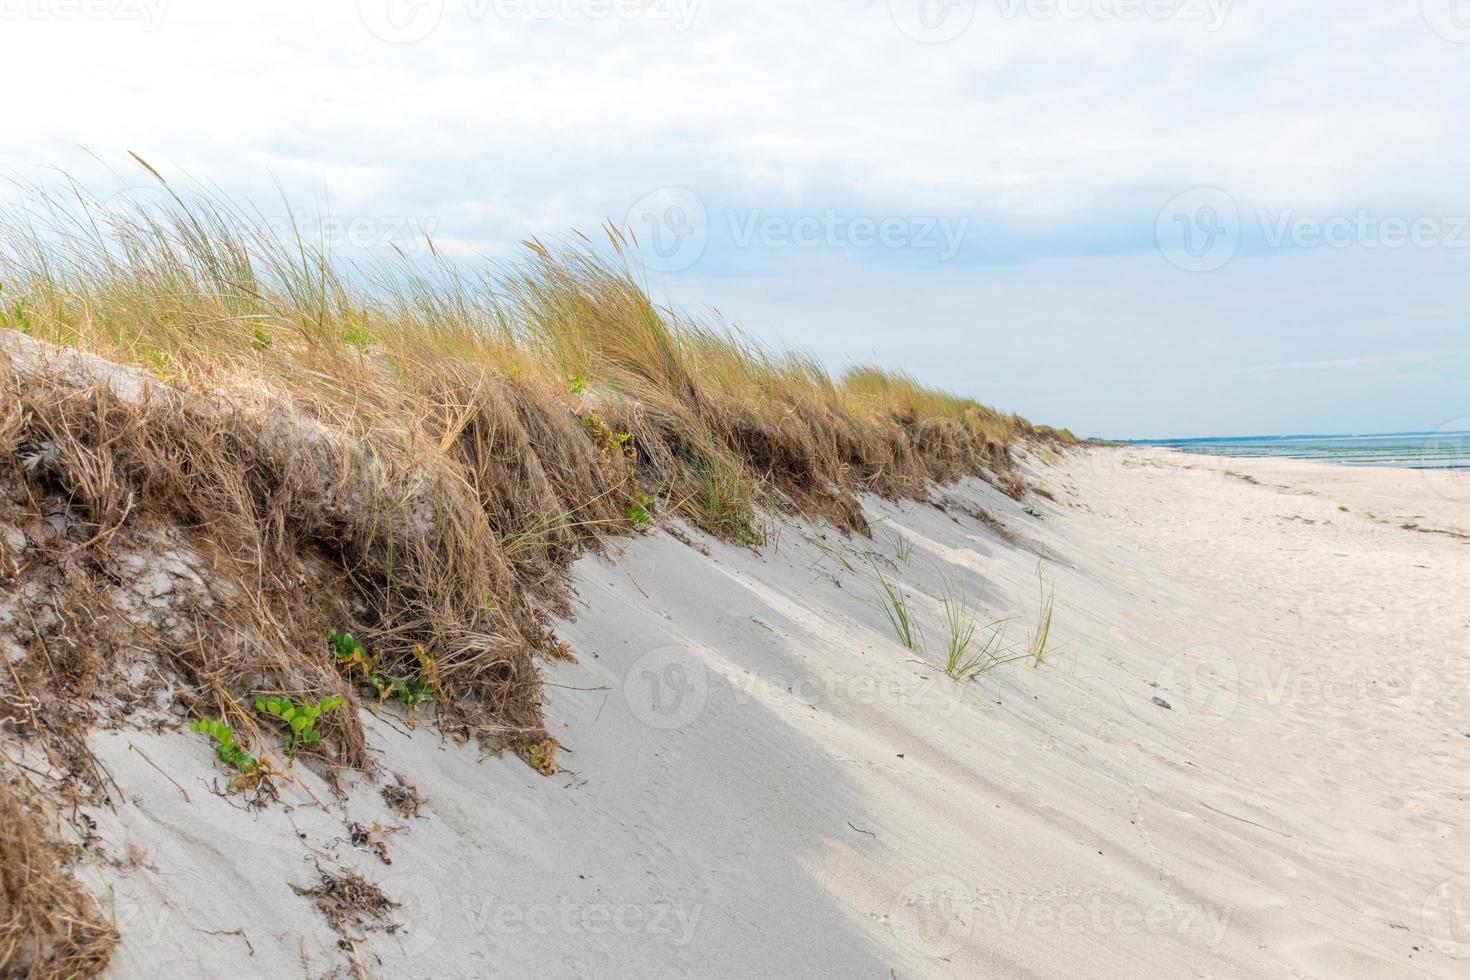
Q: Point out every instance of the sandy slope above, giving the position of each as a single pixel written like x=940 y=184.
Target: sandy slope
x=762 y=783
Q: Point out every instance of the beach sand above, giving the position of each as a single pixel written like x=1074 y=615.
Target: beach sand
x=760 y=781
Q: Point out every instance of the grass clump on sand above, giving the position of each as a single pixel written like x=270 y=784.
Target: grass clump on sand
x=963 y=660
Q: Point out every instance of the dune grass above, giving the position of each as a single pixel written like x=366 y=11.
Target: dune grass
x=963 y=659
x=1037 y=647
x=414 y=451
x=456 y=434
x=894 y=603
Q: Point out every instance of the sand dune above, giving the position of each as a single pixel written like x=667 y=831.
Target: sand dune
x=759 y=781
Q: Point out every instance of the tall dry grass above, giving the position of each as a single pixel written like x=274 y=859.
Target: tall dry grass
x=414 y=451
x=450 y=438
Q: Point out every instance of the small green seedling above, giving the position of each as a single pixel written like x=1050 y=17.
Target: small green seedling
x=225 y=746
x=301 y=718
x=577 y=384
x=350 y=654
x=412 y=691
x=638 y=504
x=352 y=657
x=1034 y=512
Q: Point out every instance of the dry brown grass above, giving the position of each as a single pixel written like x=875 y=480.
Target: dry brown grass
x=49 y=926
x=445 y=441
x=216 y=445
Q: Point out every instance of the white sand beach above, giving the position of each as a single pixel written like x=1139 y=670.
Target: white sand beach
x=759 y=781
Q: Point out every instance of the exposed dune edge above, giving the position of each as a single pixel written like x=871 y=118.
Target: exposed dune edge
x=757 y=780
x=169 y=550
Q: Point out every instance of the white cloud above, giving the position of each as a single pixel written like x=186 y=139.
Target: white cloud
x=1057 y=138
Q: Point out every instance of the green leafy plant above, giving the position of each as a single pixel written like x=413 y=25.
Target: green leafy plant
x=300 y=718
x=350 y=654
x=412 y=691
x=352 y=658
x=1034 y=512
x=638 y=504
x=259 y=339
x=225 y=746
x=577 y=384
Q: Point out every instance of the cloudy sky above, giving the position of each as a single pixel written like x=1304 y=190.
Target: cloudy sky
x=1132 y=217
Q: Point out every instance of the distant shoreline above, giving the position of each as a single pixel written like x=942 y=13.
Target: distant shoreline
x=1409 y=450
x=1286 y=438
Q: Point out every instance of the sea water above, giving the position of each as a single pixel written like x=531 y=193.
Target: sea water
x=1419 y=450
